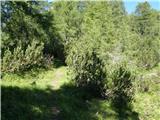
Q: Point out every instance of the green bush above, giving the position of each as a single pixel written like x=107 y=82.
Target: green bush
x=122 y=85
x=148 y=53
x=92 y=68
x=88 y=67
x=20 y=59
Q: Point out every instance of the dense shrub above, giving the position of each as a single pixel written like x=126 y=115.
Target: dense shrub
x=122 y=85
x=93 y=36
x=110 y=76
x=88 y=68
x=148 y=53
x=146 y=25
x=20 y=59
x=26 y=35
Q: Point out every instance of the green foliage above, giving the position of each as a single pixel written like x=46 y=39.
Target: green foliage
x=26 y=101
x=148 y=55
x=102 y=45
x=146 y=25
x=88 y=69
x=61 y=25
x=67 y=25
x=26 y=35
x=123 y=80
x=20 y=59
x=20 y=24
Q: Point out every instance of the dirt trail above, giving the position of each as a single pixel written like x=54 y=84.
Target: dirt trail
x=56 y=83
x=58 y=75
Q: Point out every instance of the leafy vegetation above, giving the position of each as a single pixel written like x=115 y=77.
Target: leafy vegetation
x=24 y=99
x=80 y=60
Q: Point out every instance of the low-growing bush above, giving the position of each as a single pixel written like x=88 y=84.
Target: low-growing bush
x=109 y=79
x=148 y=54
x=20 y=59
x=122 y=85
x=88 y=69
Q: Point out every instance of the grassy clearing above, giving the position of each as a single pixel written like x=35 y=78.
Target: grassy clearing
x=147 y=100
x=29 y=96
x=49 y=95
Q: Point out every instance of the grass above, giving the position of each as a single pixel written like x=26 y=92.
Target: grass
x=147 y=100
x=49 y=95
x=29 y=95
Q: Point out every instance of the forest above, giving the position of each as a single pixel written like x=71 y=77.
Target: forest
x=79 y=60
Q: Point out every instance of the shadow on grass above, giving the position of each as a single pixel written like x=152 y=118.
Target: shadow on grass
x=66 y=103
x=35 y=104
x=25 y=104
x=123 y=107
